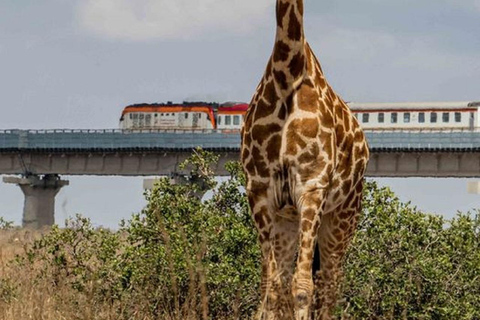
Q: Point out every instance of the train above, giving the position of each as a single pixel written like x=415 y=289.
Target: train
x=187 y=116
x=229 y=116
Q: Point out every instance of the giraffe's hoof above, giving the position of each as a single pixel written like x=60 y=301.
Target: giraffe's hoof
x=301 y=299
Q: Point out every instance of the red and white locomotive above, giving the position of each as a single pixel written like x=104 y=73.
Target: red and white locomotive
x=168 y=116
x=229 y=116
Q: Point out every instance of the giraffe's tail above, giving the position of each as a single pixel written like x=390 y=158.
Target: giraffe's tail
x=316 y=261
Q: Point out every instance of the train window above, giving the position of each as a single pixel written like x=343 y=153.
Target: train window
x=446 y=117
x=156 y=115
x=186 y=115
x=421 y=117
x=141 y=116
x=236 y=120
x=199 y=116
x=381 y=117
x=135 y=116
x=131 y=116
x=406 y=117
x=356 y=115
x=433 y=117
x=161 y=114
x=394 y=117
x=365 y=117
x=219 y=120
x=458 y=117
x=148 y=119
x=228 y=120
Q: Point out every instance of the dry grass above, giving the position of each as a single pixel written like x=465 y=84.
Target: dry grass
x=24 y=295
x=28 y=291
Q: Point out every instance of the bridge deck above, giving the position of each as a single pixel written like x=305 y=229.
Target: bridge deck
x=130 y=153
x=119 y=140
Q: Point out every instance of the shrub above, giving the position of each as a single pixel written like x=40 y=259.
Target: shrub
x=405 y=264
x=192 y=249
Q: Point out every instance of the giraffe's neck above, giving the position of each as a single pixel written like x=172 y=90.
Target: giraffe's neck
x=289 y=51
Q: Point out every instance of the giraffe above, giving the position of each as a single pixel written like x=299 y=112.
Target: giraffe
x=304 y=156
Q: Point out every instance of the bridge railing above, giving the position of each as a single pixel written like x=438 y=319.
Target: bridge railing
x=228 y=131
x=425 y=140
x=118 y=131
x=116 y=139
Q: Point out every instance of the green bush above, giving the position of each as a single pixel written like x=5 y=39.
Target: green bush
x=405 y=264
x=195 y=251
x=79 y=256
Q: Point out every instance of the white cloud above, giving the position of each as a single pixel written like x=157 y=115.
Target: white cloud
x=139 y=20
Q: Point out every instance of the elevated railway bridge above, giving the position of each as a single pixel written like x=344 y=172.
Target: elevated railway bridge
x=39 y=157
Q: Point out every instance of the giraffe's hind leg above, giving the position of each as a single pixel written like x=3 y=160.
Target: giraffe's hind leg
x=334 y=235
x=312 y=204
x=285 y=237
x=263 y=219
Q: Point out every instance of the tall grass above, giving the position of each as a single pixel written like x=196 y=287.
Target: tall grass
x=30 y=289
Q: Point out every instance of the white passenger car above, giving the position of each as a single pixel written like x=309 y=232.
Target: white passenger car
x=417 y=115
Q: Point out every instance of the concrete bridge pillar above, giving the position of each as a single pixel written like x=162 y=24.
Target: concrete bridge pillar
x=40 y=192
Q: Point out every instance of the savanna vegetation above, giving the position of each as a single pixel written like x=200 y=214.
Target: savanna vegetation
x=182 y=258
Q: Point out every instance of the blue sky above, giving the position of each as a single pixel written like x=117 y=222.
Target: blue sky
x=77 y=63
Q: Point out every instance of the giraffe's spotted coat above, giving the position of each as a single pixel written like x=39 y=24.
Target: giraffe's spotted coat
x=304 y=156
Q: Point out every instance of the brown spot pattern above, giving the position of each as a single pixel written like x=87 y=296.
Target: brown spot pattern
x=281 y=51
x=262 y=132
x=270 y=94
x=294 y=27
x=259 y=162
x=297 y=65
x=294 y=139
x=281 y=79
x=273 y=148
x=309 y=214
x=309 y=127
x=263 y=110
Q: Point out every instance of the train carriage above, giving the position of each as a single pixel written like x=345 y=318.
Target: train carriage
x=231 y=116
x=417 y=115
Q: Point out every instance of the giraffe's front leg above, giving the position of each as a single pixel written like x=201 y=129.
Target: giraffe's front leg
x=312 y=204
